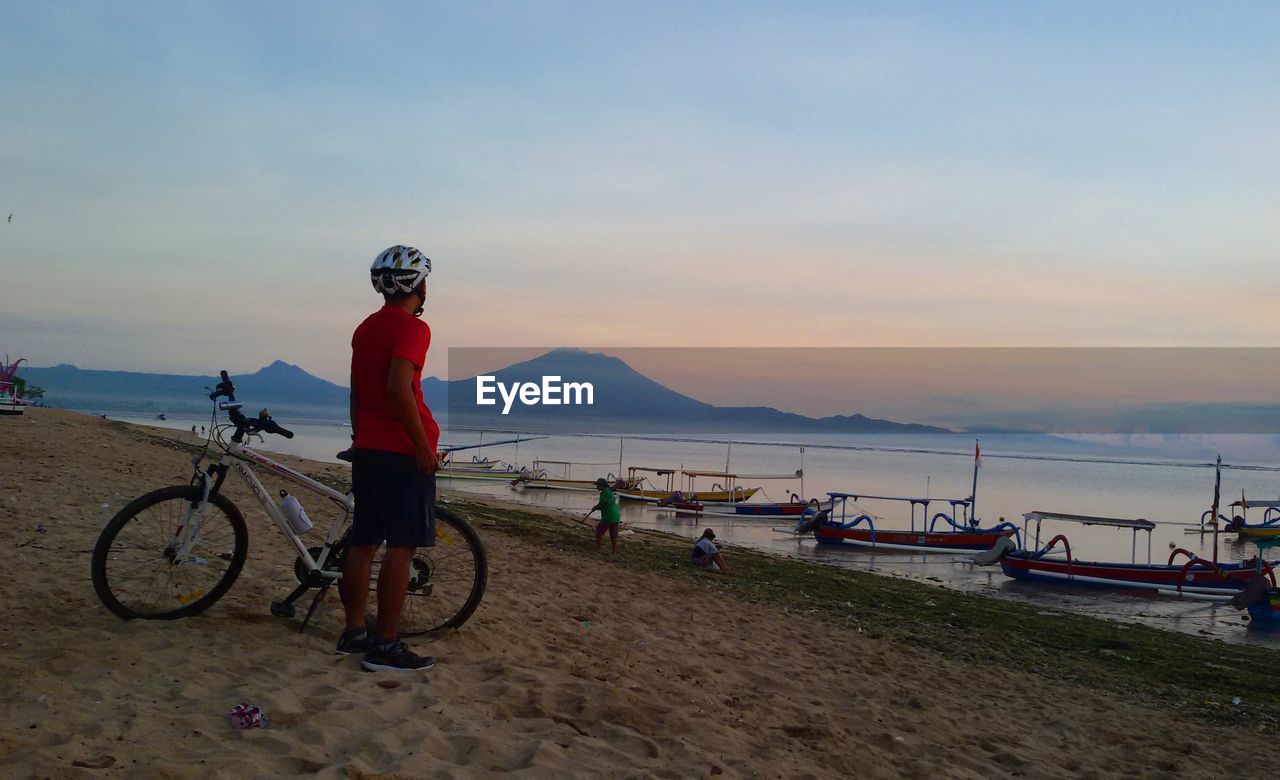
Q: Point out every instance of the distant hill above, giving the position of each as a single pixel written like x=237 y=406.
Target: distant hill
x=625 y=400
x=281 y=386
x=628 y=401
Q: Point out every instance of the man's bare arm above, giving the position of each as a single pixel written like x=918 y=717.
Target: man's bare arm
x=400 y=392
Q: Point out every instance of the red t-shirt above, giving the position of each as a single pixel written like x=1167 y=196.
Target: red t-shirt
x=389 y=332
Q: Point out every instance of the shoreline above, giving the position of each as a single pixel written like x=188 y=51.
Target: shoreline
x=579 y=664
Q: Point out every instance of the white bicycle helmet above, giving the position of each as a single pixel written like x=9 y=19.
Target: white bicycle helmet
x=399 y=269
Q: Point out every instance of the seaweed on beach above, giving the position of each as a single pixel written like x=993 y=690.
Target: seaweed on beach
x=1207 y=678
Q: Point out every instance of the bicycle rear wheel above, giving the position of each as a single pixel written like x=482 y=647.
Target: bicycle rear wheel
x=137 y=572
x=447 y=581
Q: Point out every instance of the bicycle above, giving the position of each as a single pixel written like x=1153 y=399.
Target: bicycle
x=173 y=552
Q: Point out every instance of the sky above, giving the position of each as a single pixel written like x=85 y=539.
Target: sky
x=203 y=185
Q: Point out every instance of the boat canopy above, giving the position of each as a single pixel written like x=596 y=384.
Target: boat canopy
x=860 y=496
x=1114 y=522
x=651 y=469
x=798 y=474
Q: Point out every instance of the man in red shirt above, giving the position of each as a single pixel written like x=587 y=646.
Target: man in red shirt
x=393 y=460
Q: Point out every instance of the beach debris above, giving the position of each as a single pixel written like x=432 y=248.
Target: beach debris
x=1235 y=700
x=101 y=762
x=388 y=684
x=41 y=529
x=247 y=716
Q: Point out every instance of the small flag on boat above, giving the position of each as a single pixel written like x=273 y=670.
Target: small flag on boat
x=977 y=454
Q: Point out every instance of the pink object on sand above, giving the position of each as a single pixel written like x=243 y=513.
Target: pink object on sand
x=247 y=716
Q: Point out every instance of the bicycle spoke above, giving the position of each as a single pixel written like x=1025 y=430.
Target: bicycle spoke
x=139 y=571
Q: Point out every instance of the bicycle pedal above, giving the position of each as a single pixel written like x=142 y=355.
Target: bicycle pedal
x=281 y=609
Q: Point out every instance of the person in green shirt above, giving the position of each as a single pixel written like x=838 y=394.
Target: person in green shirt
x=610 y=517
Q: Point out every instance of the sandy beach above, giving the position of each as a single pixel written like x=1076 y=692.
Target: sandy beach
x=574 y=665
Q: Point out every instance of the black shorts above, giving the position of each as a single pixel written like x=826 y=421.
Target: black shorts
x=395 y=503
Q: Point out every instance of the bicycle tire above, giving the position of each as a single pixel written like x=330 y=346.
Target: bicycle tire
x=131 y=519
x=451 y=530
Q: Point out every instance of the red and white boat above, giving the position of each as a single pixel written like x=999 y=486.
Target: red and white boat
x=942 y=533
x=1185 y=573
x=953 y=531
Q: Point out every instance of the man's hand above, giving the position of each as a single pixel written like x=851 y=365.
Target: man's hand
x=425 y=455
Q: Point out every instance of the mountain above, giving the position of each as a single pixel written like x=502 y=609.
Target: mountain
x=279 y=386
x=628 y=401
x=624 y=400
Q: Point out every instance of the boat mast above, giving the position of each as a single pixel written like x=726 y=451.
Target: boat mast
x=803 y=495
x=1217 y=490
x=973 y=495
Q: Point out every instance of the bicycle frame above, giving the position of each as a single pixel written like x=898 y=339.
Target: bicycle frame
x=241 y=458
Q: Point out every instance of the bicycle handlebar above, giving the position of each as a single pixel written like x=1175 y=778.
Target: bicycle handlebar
x=260 y=424
x=225 y=387
x=271 y=426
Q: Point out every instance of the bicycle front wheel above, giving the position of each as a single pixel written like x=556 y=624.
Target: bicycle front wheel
x=139 y=570
x=447 y=581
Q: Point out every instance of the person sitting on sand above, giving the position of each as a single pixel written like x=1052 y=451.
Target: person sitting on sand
x=610 y=516
x=706 y=555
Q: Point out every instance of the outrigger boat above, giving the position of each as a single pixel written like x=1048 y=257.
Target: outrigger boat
x=491 y=471
x=956 y=531
x=771 y=510
x=1269 y=528
x=1238 y=524
x=1194 y=576
x=727 y=492
x=795 y=506
x=954 y=536
x=480 y=469
x=540 y=477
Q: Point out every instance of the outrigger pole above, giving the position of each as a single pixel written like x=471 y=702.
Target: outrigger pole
x=490 y=444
